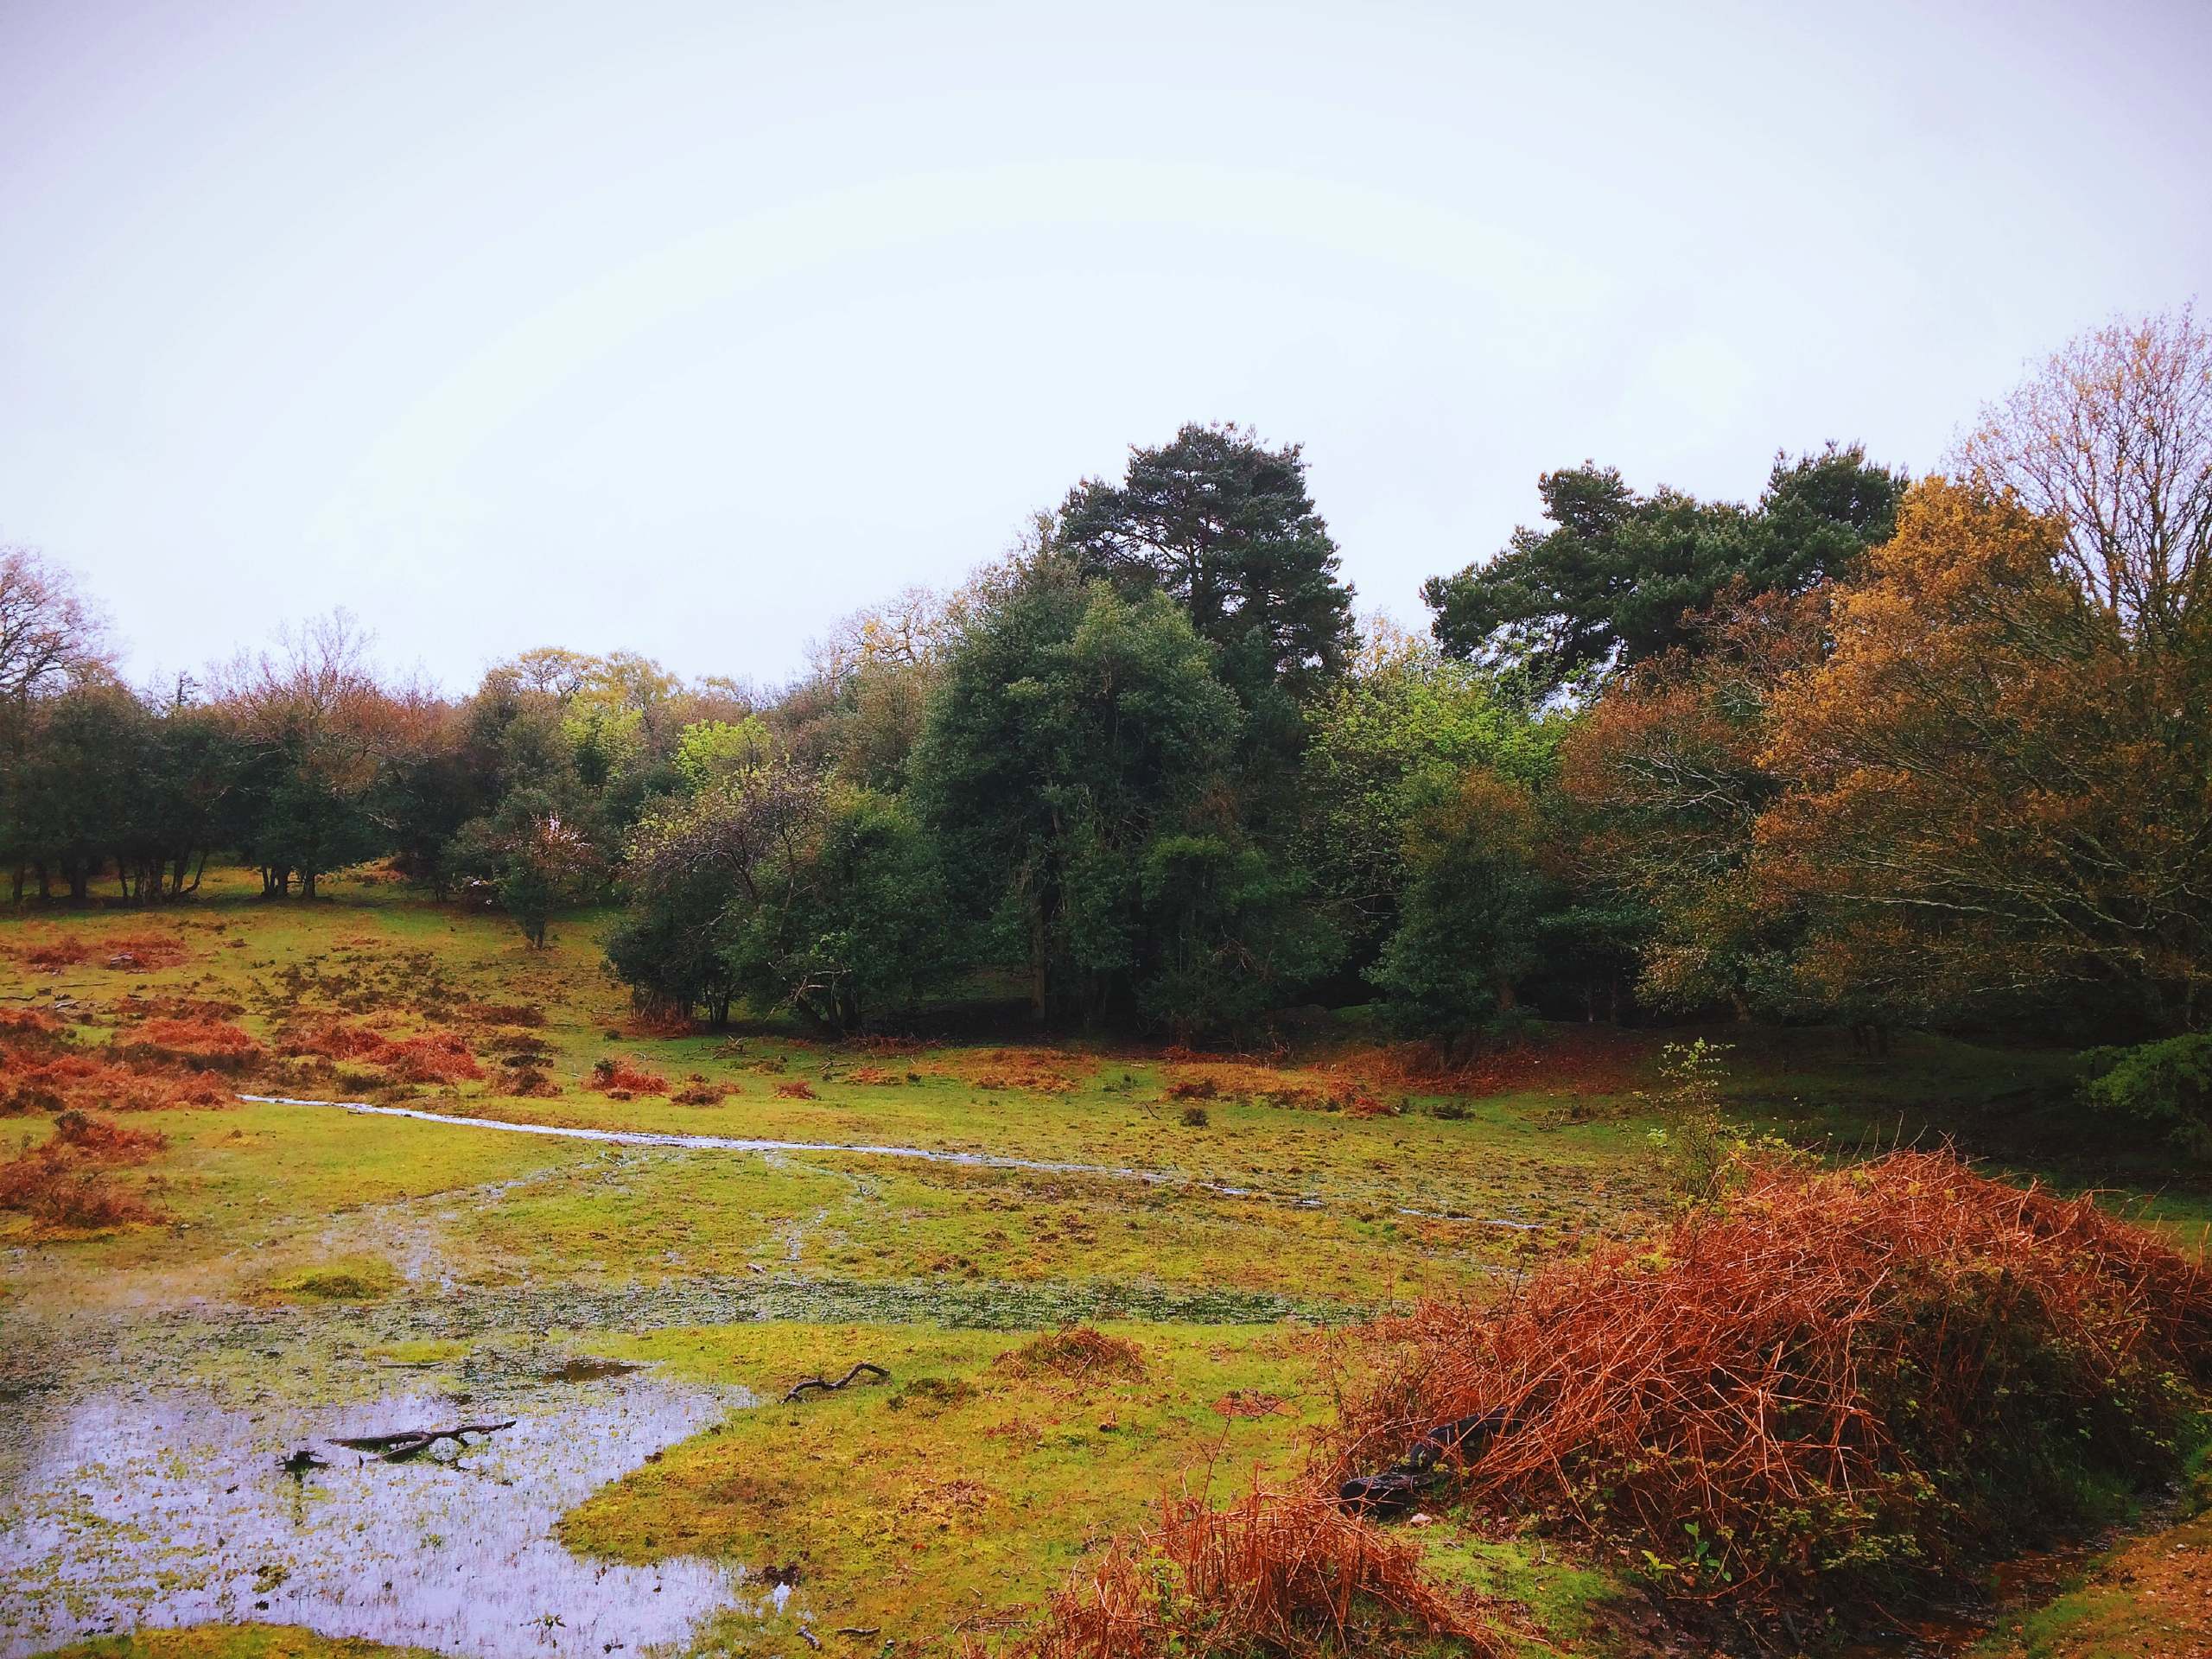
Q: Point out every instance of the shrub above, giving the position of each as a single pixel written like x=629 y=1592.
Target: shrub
x=1698 y=1144
x=97 y=1138
x=1271 y=1574
x=1835 y=1384
x=2164 y=1088
x=442 y=1057
x=77 y=1198
x=59 y=1183
x=623 y=1080
x=1195 y=1117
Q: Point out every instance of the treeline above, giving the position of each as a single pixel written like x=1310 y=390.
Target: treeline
x=1870 y=749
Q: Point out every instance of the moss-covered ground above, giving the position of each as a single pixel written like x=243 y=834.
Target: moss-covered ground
x=959 y=1492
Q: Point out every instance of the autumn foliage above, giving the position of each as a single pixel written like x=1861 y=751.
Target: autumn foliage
x=1861 y=1377
x=61 y=1181
x=623 y=1079
x=1272 y=1573
x=1994 y=788
x=430 y=1057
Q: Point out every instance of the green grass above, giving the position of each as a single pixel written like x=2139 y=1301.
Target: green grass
x=965 y=1488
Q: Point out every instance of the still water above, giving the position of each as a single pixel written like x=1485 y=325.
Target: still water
x=159 y=1506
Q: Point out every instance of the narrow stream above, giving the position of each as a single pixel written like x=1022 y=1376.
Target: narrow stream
x=862 y=1150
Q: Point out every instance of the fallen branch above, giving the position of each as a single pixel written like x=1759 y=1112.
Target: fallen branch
x=798 y=1389
x=407 y=1443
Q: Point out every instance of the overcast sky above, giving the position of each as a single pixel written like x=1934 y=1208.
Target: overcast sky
x=688 y=327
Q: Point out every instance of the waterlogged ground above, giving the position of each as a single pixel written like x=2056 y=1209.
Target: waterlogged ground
x=728 y=1215
x=157 y=1505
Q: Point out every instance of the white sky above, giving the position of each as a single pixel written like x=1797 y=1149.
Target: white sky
x=687 y=327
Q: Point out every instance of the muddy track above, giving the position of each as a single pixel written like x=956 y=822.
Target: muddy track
x=1159 y=1178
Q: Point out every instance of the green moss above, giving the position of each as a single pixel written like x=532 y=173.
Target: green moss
x=354 y=1278
x=1565 y=1595
x=233 y=1641
x=965 y=1485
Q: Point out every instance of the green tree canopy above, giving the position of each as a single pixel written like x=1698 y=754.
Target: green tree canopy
x=1224 y=527
x=1618 y=575
x=1078 y=738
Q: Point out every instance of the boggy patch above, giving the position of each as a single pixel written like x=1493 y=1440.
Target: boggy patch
x=968 y=1483
x=166 y=1509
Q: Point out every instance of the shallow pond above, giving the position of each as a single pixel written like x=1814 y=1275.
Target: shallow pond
x=161 y=1507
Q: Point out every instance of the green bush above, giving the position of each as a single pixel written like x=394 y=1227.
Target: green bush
x=2166 y=1088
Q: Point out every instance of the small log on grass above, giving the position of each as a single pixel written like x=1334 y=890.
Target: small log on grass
x=798 y=1388
x=407 y=1442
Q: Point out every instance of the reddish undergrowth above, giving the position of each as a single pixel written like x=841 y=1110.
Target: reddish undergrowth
x=660 y=1022
x=1593 y=1060
x=148 y=950
x=1274 y=1574
x=51 y=956
x=623 y=1080
x=1034 y=1070
x=105 y=1141
x=430 y=1057
x=698 y=1090
x=41 y=1071
x=1861 y=1377
x=144 y=950
x=209 y=1043
x=1267 y=1085
x=63 y=1181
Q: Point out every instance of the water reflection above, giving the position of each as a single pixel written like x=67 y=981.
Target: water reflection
x=166 y=1509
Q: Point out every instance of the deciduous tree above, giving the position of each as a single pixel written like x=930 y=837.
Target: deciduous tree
x=2113 y=437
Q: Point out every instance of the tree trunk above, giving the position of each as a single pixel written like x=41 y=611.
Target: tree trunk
x=1037 y=987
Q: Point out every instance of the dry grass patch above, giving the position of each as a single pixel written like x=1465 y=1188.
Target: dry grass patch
x=62 y=1183
x=1078 y=1352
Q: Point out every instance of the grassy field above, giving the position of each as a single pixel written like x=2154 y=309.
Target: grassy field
x=1214 y=1218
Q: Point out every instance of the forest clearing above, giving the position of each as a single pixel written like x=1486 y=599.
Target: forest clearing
x=1129 y=830
x=1067 y=1345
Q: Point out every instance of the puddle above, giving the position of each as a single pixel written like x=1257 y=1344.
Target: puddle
x=862 y=1150
x=164 y=1508
x=589 y=1369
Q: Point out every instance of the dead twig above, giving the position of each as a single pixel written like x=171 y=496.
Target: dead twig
x=399 y=1446
x=798 y=1389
